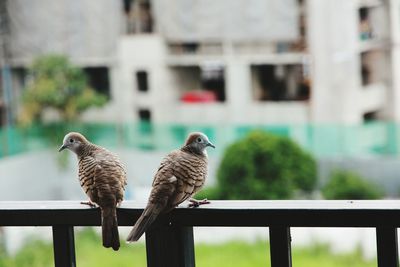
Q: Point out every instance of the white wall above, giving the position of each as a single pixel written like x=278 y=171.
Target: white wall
x=38 y=176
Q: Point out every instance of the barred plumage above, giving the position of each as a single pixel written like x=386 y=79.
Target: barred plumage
x=181 y=174
x=103 y=179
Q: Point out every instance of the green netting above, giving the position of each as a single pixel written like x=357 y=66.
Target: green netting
x=376 y=138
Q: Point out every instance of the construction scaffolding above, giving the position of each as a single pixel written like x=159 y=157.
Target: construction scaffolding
x=6 y=114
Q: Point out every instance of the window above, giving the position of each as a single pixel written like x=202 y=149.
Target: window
x=280 y=83
x=371 y=116
x=213 y=80
x=200 y=84
x=144 y=115
x=98 y=79
x=365 y=27
x=142 y=81
x=20 y=77
x=138 y=17
x=373 y=67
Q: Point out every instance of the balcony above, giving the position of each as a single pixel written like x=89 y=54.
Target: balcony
x=170 y=241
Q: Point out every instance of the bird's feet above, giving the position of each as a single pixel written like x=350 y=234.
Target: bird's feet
x=89 y=203
x=194 y=203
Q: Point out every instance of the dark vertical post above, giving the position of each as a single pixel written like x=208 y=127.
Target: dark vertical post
x=280 y=247
x=386 y=243
x=64 y=246
x=170 y=246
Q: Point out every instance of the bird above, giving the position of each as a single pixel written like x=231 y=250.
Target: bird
x=181 y=174
x=103 y=178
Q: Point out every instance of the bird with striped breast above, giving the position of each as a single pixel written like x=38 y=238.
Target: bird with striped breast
x=181 y=175
x=103 y=179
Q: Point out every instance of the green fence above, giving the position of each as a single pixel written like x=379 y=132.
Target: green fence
x=370 y=139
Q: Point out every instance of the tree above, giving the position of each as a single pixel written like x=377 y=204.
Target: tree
x=56 y=83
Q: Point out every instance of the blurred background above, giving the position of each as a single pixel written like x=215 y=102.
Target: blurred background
x=301 y=98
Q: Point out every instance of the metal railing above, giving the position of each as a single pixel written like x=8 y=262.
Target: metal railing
x=170 y=241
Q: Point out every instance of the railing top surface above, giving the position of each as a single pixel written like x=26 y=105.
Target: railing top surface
x=220 y=205
x=296 y=213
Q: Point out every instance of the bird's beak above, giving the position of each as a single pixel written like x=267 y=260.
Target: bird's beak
x=62 y=148
x=210 y=144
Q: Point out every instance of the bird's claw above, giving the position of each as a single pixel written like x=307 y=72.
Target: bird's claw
x=194 y=203
x=89 y=203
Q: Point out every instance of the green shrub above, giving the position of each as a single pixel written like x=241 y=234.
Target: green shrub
x=208 y=192
x=349 y=185
x=265 y=166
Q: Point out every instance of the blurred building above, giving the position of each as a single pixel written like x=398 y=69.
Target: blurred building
x=312 y=70
x=265 y=62
x=220 y=62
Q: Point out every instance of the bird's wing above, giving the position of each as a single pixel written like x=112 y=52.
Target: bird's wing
x=164 y=183
x=87 y=171
x=165 y=169
x=109 y=178
x=108 y=190
x=164 y=186
x=185 y=173
x=175 y=180
x=172 y=185
x=191 y=171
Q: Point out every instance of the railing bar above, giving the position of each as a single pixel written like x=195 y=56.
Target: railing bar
x=64 y=246
x=280 y=246
x=187 y=243
x=387 y=248
x=170 y=246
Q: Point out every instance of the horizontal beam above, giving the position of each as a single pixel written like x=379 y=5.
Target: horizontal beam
x=297 y=213
x=221 y=204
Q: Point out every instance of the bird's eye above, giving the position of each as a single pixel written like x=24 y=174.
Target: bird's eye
x=199 y=140
x=71 y=140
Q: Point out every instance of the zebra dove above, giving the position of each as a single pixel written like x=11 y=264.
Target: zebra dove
x=181 y=174
x=103 y=179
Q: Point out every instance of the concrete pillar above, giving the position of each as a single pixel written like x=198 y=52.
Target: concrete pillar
x=238 y=86
x=395 y=56
x=333 y=41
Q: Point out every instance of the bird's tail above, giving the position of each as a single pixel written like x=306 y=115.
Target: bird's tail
x=148 y=216
x=109 y=227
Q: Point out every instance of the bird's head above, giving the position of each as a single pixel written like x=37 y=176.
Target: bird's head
x=198 y=142
x=73 y=141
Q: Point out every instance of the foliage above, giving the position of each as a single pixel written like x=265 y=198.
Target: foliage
x=349 y=185
x=320 y=255
x=35 y=253
x=89 y=252
x=56 y=83
x=208 y=192
x=265 y=166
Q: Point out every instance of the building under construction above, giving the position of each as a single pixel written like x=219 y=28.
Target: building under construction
x=219 y=62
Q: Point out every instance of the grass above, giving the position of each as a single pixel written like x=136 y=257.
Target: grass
x=89 y=252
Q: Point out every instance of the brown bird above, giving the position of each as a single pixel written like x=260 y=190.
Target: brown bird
x=103 y=178
x=182 y=174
